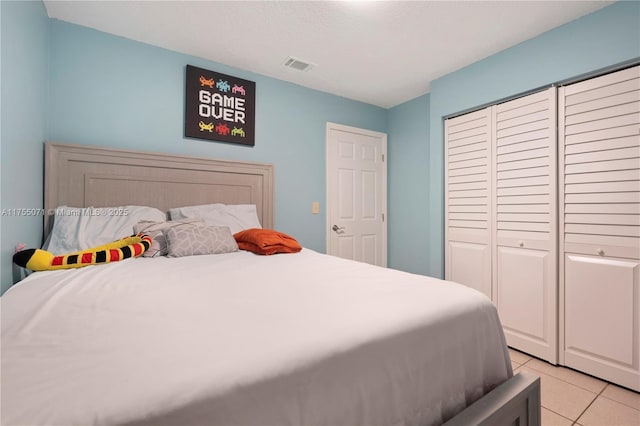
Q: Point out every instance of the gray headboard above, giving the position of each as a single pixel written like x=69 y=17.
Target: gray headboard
x=89 y=176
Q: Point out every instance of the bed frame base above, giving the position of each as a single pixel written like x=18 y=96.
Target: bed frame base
x=516 y=402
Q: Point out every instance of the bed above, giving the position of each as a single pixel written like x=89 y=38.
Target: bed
x=237 y=338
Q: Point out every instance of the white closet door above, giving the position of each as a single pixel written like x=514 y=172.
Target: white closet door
x=525 y=249
x=468 y=195
x=600 y=226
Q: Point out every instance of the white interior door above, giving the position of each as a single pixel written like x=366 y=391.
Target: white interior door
x=356 y=194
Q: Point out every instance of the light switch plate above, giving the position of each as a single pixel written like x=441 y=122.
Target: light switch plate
x=315 y=207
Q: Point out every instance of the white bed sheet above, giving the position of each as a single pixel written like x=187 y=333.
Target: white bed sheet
x=240 y=339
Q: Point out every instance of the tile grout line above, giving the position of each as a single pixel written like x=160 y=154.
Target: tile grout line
x=561 y=415
x=573 y=422
x=591 y=403
x=597 y=395
x=606 y=384
x=576 y=385
x=618 y=402
x=546 y=408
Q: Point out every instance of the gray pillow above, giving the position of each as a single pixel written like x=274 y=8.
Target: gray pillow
x=196 y=240
x=154 y=230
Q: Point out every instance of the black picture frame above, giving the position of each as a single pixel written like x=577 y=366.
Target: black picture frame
x=219 y=107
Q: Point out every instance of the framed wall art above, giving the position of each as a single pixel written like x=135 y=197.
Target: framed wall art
x=219 y=107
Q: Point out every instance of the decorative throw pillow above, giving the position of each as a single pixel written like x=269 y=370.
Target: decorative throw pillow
x=154 y=230
x=196 y=240
x=266 y=241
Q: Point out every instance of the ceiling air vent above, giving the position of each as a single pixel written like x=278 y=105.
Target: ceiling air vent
x=298 y=64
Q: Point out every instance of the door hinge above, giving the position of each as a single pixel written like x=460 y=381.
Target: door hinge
x=383 y=158
x=383 y=217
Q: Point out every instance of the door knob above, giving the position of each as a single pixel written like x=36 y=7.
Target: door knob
x=337 y=229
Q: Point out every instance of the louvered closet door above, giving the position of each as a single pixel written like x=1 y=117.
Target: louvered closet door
x=468 y=200
x=600 y=226
x=525 y=253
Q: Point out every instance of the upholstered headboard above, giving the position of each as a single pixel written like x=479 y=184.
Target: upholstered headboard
x=89 y=176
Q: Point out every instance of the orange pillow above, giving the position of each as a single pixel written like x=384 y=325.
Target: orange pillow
x=266 y=241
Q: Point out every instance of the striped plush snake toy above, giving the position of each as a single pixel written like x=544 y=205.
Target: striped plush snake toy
x=42 y=260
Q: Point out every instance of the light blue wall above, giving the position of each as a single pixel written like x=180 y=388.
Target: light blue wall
x=111 y=91
x=408 y=172
x=72 y=84
x=24 y=45
x=602 y=39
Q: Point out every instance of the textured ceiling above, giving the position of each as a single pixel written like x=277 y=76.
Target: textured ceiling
x=383 y=52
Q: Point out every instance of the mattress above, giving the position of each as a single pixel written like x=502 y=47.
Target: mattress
x=241 y=339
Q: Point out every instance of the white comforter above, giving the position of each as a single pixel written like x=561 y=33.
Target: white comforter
x=240 y=339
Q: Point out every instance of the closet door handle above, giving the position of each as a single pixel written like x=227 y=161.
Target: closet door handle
x=600 y=252
x=521 y=243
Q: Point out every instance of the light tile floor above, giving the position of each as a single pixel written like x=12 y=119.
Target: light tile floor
x=572 y=398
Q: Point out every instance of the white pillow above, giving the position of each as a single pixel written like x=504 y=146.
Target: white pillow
x=76 y=229
x=237 y=217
